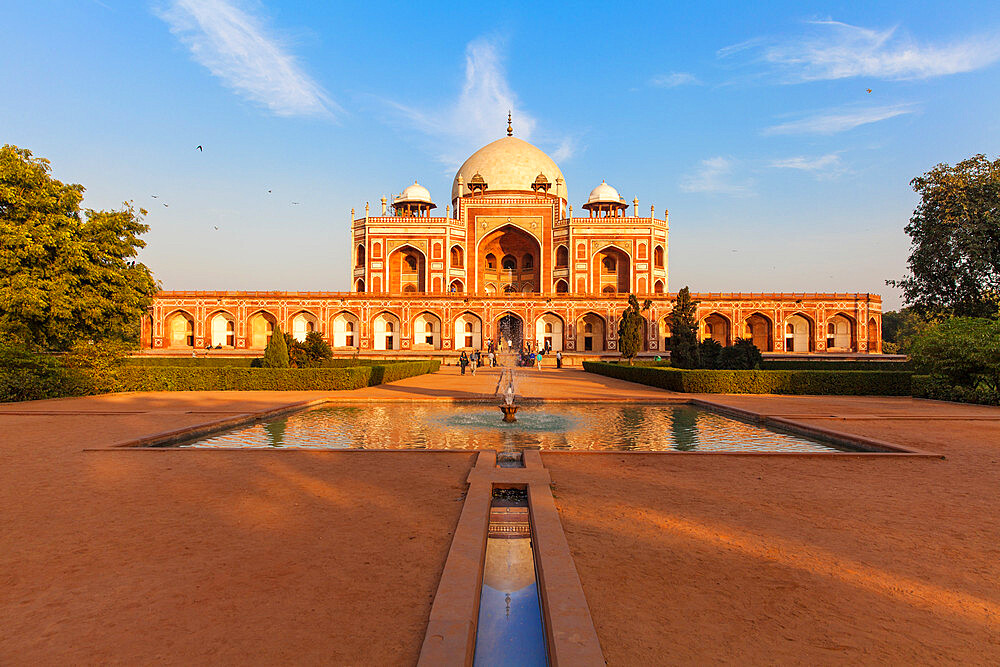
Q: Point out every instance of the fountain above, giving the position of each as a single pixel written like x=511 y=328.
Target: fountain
x=505 y=388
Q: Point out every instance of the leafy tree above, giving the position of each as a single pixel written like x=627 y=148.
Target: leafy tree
x=630 y=328
x=66 y=275
x=276 y=352
x=317 y=349
x=684 y=351
x=709 y=351
x=963 y=350
x=900 y=328
x=955 y=241
x=742 y=355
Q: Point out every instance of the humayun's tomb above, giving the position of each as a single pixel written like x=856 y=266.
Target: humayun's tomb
x=506 y=260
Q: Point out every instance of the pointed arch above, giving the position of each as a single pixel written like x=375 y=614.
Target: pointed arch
x=841 y=333
x=345 y=330
x=221 y=327
x=426 y=331
x=179 y=328
x=799 y=333
x=388 y=334
x=260 y=325
x=549 y=332
x=758 y=328
x=718 y=327
x=468 y=331
x=302 y=323
x=591 y=333
x=407 y=270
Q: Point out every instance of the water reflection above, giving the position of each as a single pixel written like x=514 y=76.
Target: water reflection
x=582 y=426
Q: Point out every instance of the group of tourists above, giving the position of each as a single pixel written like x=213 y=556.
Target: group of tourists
x=527 y=355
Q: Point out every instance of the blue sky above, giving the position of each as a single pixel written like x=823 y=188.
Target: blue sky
x=751 y=123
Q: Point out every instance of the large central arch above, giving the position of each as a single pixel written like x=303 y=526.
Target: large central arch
x=407 y=270
x=510 y=331
x=510 y=259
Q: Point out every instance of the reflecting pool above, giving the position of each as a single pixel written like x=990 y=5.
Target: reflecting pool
x=576 y=426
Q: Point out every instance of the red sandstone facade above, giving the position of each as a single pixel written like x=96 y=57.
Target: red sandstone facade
x=512 y=262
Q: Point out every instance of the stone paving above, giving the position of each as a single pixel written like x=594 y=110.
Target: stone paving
x=174 y=556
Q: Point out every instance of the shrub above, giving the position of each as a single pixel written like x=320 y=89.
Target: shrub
x=276 y=352
x=965 y=351
x=857 y=383
x=743 y=355
x=874 y=364
x=28 y=376
x=708 y=353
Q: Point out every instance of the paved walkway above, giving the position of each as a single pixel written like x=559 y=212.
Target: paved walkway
x=186 y=556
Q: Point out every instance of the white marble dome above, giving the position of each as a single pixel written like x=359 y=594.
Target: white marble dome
x=414 y=193
x=509 y=163
x=604 y=194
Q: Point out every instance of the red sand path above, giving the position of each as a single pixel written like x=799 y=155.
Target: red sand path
x=191 y=557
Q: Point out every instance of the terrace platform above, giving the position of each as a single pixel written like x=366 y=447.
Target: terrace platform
x=187 y=556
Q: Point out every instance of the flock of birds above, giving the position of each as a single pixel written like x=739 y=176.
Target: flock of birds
x=201 y=149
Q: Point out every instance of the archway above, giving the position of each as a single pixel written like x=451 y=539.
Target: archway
x=658 y=257
x=510 y=332
x=426 y=332
x=841 y=334
x=612 y=268
x=562 y=287
x=562 y=257
x=261 y=325
x=549 y=332
x=303 y=324
x=468 y=332
x=758 y=329
x=874 y=338
x=517 y=250
x=590 y=333
x=456 y=286
x=180 y=329
x=798 y=334
x=387 y=334
x=407 y=270
x=359 y=286
x=716 y=327
x=360 y=260
x=664 y=326
x=658 y=287
x=346 y=329
x=457 y=257
x=222 y=326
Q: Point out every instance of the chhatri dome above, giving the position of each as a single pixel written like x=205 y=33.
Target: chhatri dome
x=509 y=163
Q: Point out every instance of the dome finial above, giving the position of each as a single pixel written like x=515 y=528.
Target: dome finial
x=510 y=128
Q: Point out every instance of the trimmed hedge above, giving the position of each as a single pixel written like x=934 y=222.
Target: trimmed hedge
x=851 y=383
x=817 y=365
x=165 y=378
x=244 y=362
x=937 y=388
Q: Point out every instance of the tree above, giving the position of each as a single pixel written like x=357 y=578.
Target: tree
x=963 y=350
x=742 y=355
x=955 y=241
x=276 y=352
x=900 y=328
x=66 y=275
x=630 y=328
x=684 y=332
x=317 y=349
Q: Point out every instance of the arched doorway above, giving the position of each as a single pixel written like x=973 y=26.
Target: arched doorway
x=716 y=327
x=612 y=269
x=468 y=332
x=508 y=258
x=387 y=334
x=840 y=334
x=549 y=332
x=222 y=326
x=180 y=330
x=346 y=330
x=261 y=325
x=427 y=332
x=510 y=332
x=798 y=334
x=407 y=270
x=590 y=333
x=758 y=329
x=303 y=324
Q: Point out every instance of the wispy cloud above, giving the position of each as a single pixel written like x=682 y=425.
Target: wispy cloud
x=835 y=50
x=715 y=175
x=237 y=47
x=479 y=115
x=822 y=166
x=839 y=120
x=674 y=79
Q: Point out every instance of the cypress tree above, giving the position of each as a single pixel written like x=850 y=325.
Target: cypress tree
x=276 y=352
x=630 y=328
x=684 y=351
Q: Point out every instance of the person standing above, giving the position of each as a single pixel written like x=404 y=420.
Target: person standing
x=493 y=359
x=463 y=361
x=474 y=361
x=559 y=359
x=538 y=360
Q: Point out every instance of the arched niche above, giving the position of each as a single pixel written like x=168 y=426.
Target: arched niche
x=346 y=330
x=426 y=332
x=260 y=326
x=468 y=332
x=590 y=330
x=222 y=329
x=387 y=332
x=512 y=245
x=759 y=330
x=180 y=329
x=549 y=332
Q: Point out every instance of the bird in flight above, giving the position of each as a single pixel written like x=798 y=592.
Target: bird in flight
x=216 y=227
x=295 y=202
x=154 y=196
x=167 y=205
x=201 y=149
x=868 y=90
x=268 y=192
